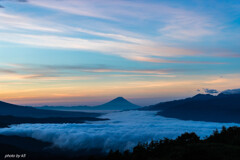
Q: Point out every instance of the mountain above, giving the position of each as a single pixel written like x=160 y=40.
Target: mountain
x=118 y=103
x=175 y=103
x=221 y=108
x=7 y=109
x=231 y=91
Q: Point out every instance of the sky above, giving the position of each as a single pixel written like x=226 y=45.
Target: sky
x=86 y=52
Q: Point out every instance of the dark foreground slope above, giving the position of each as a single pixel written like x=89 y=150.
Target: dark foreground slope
x=221 y=108
x=32 y=149
x=219 y=146
x=224 y=145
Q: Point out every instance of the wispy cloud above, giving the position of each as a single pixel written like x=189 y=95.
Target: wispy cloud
x=71 y=72
x=12 y=21
x=175 y=22
x=187 y=25
x=115 y=36
x=133 y=48
x=6 y=71
x=137 y=50
x=18 y=22
x=15 y=0
x=122 y=49
x=83 y=8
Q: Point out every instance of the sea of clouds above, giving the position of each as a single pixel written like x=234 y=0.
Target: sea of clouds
x=123 y=131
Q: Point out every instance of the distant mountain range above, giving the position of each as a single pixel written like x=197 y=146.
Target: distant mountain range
x=118 y=103
x=231 y=91
x=16 y=114
x=7 y=109
x=224 y=107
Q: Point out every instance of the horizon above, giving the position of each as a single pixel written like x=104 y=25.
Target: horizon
x=148 y=102
x=85 y=53
x=142 y=102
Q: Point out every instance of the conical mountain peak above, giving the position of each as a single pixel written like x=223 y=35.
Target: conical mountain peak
x=120 y=99
x=118 y=103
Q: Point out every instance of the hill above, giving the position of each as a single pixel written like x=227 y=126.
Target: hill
x=231 y=91
x=15 y=114
x=7 y=109
x=175 y=103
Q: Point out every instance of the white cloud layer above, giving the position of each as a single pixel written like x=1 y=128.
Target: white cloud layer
x=123 y=131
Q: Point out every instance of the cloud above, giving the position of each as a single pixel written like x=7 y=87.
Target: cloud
x=83 y=8
x=137 y=48
x=103 y=46
x=120 y=37
x=22 y=0
x=187 y=25
x=6 y=71
x=15 y=0
x=71 y=72
x=104 y=68
x=107 y=39
x=10 y=21
x=123 y=131
x=175 y=22
x=210 y=91
x=137 y=52
x=14 y=22
x=218 y=80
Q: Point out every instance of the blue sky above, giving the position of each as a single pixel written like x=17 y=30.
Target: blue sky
x=70 y=52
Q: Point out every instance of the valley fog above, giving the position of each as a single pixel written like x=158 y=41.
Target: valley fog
x=123 y=131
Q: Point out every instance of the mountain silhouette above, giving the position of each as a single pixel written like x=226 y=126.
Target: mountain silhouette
x=175 y=103
x=220 y=108
x=7 y=109
x=231 y=91
x=202 y=97
x=118 y=103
